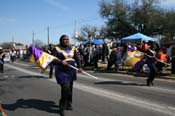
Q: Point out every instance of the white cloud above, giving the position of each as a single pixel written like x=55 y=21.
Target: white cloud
x=6 y=20
x=57 y=4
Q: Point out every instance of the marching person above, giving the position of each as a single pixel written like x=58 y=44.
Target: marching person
x=2 y=56
x=13 y=55
x=65 y=75
x=118 y=58
x=105 y=52
x=96 y=56
x=151 y=62
x=50 y=51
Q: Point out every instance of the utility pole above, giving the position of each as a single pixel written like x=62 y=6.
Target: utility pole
x=12 y=39
x=33 y=38
x=48 y=39
x=13 y=42
x=90 y=46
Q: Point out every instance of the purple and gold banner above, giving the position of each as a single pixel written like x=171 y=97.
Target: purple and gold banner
x=134 y=58
x=42 y=59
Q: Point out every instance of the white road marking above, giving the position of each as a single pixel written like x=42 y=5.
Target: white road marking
x=139 y=102
x=26 y=71
x=28 y=65
x=22 y=64
x=5 y=76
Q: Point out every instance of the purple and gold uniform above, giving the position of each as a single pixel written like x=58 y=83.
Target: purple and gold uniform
x=65 y=74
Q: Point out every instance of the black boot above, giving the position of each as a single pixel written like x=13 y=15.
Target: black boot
x=61 y=112
x=148 y=82
x=151 y=82
x=69 y=107
x=50 y=76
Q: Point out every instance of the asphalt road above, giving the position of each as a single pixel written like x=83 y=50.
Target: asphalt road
x=26 y=92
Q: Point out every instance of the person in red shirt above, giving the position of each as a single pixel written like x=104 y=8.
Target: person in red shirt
x=163 y=58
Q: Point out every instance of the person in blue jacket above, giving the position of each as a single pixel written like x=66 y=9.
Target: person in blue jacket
x=64 y=74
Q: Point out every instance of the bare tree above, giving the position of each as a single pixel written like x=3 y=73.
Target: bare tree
x=38 y=43
x=88 y=30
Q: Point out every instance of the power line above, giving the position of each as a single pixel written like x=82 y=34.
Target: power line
x=62 y=25
x=68 y=24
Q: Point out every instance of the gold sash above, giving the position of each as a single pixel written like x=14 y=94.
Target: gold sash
x=67 y=57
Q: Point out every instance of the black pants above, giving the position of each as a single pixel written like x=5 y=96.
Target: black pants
x=85 y=58
x=51 y=70
x=152 y=74
x=12 y=58
x=173 y=65
x=103 y=57
x=95 y=61
x=1 y=67
x=110 y=63
x=66 y=95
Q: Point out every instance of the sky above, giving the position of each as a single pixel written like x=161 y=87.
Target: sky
x=20 y=18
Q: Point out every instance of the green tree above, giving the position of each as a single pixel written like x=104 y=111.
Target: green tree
x=169 y=25
x=124 y=19
x=102 y=33
x=38 y=43
x=118 y=22
x=145 y=16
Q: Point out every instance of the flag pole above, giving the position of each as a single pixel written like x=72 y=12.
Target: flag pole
x=83 y=72
x=158 y=60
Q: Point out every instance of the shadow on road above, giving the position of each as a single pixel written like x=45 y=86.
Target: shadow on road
x=48 y=106
x=34 y=76
x=3 y=79
x=120 y=83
